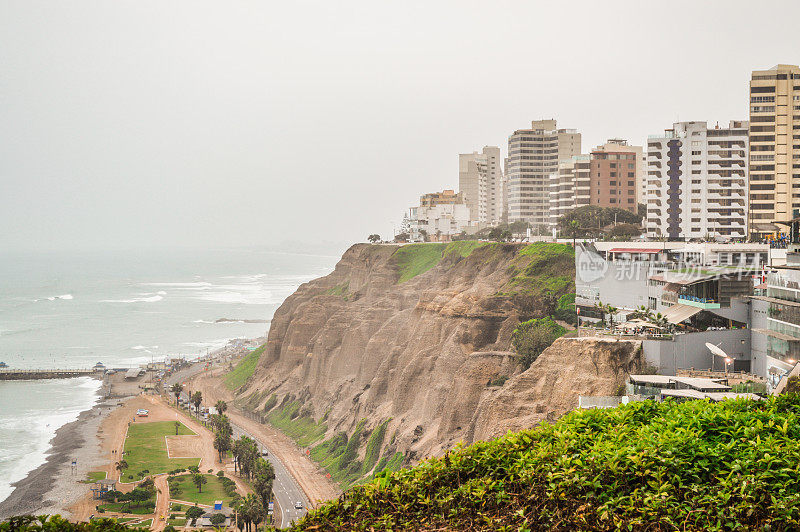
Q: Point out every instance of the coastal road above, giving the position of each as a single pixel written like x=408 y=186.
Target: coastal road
x=286 y=490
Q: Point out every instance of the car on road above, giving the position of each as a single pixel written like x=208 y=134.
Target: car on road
x=264 y=452
x=298 y=505
x=142 y=412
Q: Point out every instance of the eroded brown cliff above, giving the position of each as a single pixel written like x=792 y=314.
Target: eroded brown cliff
x=357 y=344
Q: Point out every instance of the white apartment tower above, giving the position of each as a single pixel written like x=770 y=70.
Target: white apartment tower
x=480 y=181
x=533 y=155
x=570 y=186
x=697 y=181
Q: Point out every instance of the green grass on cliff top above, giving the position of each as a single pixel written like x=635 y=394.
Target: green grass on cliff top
x=244 y=369
x=416 y=259
x=733 y=465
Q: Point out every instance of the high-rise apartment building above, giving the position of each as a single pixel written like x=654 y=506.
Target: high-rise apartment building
x=533 y=155
x=774 y=146
x=480 y=181
x=621 y=145
x=570 y=187
x=697 y=181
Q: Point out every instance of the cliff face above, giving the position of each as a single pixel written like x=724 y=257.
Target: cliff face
x=373 y=342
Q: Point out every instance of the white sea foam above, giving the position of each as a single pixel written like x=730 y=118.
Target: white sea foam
x=213 y=344
x=198 y=284
x=64 y=297
x=147 y=299
x=143 y=347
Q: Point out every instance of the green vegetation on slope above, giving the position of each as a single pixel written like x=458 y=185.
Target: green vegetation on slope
x=243 y=370
x=340 y=290
x=146 y=448
x=532 y=337
x=415 y=259
x=544 y=271
x=338 y=455
x=301 y=428
x=733 y=465
x=374 y=444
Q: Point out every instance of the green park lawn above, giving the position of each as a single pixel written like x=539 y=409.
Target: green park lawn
x=213 y=490
x=146 y=448
x=129 y=508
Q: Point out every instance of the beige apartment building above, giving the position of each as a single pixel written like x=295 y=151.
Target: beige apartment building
x=533 y=156
x=620 y=146
x=774 y=147
x=480 y=181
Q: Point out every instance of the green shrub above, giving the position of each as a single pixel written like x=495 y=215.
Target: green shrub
x=692 y=466
x=498 y=381
x=532 y=337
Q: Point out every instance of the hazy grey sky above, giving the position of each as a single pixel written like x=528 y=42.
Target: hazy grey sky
x=135 y=123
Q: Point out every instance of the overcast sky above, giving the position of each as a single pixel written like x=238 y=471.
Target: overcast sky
x=249 y=123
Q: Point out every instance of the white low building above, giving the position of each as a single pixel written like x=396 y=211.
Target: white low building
x=439 y=216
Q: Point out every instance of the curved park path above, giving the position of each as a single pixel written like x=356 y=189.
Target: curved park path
x=310 y=477
x=112 y=435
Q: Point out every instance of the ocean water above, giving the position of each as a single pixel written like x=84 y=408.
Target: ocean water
x=122 y=308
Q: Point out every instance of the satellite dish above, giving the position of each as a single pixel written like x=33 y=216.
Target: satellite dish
x=716 y=350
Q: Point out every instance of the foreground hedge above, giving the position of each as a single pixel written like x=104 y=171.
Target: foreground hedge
x=56 y=523
x=652 y=466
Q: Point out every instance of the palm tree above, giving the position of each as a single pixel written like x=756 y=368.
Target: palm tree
x=176 y=389
x=221 y=406
x=221 y=443
x=121 y=466
x=197 y=400
x=252 y=510
x=573 y=229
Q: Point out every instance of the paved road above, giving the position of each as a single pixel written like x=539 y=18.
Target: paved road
x=286 y=489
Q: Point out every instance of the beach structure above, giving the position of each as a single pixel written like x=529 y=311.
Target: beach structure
x=134 y=373
x=205 y=519
x=102 y=486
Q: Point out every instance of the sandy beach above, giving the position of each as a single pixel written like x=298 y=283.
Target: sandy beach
x=55 y=485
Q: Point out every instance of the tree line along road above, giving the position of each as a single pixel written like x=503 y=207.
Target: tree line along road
x=287 y=491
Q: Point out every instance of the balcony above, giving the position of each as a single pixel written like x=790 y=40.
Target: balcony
x=698 y=302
